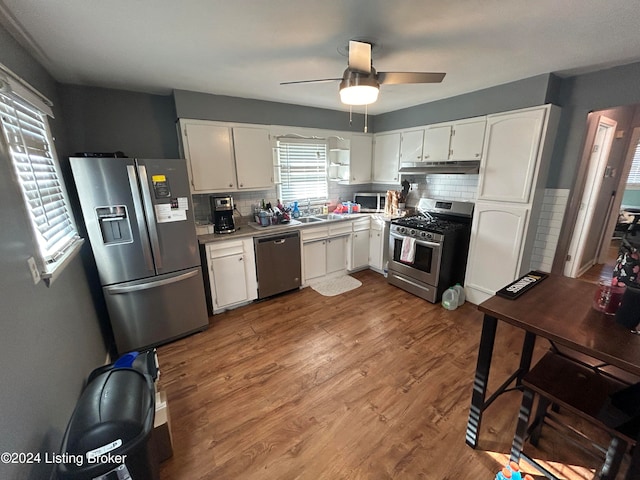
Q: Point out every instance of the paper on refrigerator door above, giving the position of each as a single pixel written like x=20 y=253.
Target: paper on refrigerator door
x=176 y=211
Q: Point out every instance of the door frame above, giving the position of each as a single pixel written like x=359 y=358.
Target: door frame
x=589 y=198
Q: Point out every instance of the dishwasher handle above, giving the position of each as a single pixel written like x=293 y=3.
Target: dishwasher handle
x=277 y=239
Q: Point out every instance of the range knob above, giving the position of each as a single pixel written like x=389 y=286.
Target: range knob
x=423 y=234
x=401 y=229
x=412 y=232
x=430 y=236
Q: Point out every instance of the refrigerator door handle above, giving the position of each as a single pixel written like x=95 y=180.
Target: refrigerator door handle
x=145 y=286
x=151 y=215
x=137 y=206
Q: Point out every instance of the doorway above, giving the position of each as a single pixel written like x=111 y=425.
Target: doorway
x=617 y=220
x=593 y=213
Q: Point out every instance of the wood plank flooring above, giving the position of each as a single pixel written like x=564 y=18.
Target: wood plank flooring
x=371 y=384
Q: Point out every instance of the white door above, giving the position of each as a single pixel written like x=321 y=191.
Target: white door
x=209 y=152
x=467 y=140
x=360 y=249
x=385 y=158
x=360 y=158
x=315 y=259
x=337 y=254
x=254 y=157
x=229 y=280
x=436 y=145
x=583 y=250
x=376 y=245
x=497 y=235
x=510 y=155
x=411 y=146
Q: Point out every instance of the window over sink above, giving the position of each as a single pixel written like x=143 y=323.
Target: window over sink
x=302 y=169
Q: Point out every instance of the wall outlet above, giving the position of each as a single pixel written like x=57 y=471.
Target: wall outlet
x=33 y=268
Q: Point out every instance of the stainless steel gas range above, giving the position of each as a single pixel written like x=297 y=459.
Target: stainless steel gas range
x=428 y=252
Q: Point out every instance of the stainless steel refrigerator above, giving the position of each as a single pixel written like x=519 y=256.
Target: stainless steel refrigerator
x=139 y=219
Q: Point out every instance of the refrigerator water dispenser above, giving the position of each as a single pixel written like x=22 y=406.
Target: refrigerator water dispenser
x=114 y=224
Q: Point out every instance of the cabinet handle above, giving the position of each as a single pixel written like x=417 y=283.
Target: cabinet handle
x=241 y=185
x=477 y=155
x=418 y=157
x=426 y=156
x=240 y=259
x=231 y=185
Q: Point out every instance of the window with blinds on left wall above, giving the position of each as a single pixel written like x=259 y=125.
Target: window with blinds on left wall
x=36 y=171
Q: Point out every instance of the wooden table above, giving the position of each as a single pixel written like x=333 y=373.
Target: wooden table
x=558 y=309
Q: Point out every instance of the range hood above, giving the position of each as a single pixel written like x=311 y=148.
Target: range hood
x=425 y=168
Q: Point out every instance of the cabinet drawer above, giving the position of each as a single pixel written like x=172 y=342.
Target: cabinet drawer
x=339 y=228
x=361 y=224
x=224 y=249
x=314 y=233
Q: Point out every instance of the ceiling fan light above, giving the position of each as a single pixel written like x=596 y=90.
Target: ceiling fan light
x=359 y=95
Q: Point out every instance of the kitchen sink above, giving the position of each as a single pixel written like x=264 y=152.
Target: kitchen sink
x=310 y=219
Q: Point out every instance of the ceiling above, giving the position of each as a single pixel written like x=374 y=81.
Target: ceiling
x=245 y=48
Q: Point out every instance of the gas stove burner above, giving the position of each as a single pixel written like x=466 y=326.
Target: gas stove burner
x=426 y=224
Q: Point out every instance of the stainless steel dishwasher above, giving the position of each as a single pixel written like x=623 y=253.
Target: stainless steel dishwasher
x=278 y=263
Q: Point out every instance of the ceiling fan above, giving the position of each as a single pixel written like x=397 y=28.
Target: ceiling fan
x=360 y=83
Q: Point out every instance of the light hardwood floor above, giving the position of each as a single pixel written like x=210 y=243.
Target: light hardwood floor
x=371 y=384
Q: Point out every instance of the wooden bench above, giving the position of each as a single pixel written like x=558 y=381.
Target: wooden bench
x=581 y=389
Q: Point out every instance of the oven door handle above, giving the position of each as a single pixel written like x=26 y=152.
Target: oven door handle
x=418 y=242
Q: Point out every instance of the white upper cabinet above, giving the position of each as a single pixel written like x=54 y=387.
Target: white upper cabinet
x=386 y=158
x=459 y=141
x=361 y=155
x=512 y=145
x=224 y=157
x=467 y=139
x=437 y=139
x=254 y=157
x=209 y=152
x=411 y=145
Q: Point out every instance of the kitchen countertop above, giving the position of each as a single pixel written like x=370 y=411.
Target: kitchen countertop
x=246 y=230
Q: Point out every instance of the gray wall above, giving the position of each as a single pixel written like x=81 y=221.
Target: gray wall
x=501 y=98
x=50 y=338
x=578 y=96
x=203 y=106
x=104 y=120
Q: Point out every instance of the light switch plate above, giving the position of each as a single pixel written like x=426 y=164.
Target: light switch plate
x=33 y=268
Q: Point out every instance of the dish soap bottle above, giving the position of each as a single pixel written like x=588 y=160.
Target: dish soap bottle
x=296 y=210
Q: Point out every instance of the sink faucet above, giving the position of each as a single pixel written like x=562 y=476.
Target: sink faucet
x=308 y=206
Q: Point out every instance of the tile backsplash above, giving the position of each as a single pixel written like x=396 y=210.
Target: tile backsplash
x=444 y=187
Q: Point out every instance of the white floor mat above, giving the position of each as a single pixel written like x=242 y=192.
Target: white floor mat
x=336 y=286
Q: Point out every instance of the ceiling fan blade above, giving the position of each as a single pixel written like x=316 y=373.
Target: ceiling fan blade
x=394 y=78
x=359 y=56
x=321 y=80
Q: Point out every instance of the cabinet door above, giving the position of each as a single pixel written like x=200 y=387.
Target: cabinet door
x=360 y=249
x=386 y=158
x=497 y=236
x=411 y=146
x=510 y=155
x=361 y=156
x=376 y=244
x=229 y=280
x=337 y=254
x=315 y=259
x=254 y=157
x=208 y=150
x=436 y=143
x=467 y=139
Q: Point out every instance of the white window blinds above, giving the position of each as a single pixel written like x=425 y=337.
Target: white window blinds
x=29 y=144
x=633 y=180
x=303 y=170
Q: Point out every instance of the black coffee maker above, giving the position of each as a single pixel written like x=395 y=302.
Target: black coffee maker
x=222 y=214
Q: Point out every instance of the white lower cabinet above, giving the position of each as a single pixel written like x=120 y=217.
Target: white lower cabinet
x=325 y=250
x=359 y=258
x=496 y=250
x=232 y=273
x=377 y=244
x=315 y=259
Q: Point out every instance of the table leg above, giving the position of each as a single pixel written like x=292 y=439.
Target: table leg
x=526 y=355
x=633 y=473
x=523 y=424
x=485 y=352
